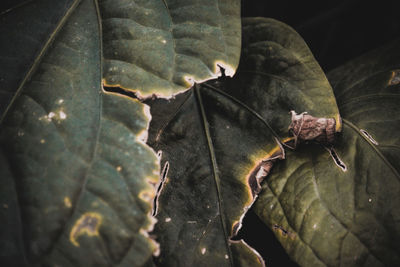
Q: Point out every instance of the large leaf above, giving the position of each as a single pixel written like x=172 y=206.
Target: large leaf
x=162 y=47
x=276 y=60
x=345 y=211
x=214 y=137
x=74 y=169
x=26 y=32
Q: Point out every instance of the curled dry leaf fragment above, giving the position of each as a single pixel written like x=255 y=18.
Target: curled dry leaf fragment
x=263 y=168
x=305 y=127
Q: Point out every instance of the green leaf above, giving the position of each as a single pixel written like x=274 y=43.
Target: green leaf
x=276 y=59
x=75 y=171
x=214 y=137
x=191 y=37
x=27 y=30
x=345 y=211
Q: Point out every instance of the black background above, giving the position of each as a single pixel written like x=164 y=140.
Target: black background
x=336 y=31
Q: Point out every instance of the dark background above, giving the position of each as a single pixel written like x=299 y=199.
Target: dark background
x=336 y=32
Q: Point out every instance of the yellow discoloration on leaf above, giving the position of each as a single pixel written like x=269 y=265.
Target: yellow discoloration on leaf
x=147 y=195
x=283 y=232
x=246 y=171
x=136 y=91
x=395 y=77
x=89 y=224
x=338 y=125
x=287 y=139
x=145 y=232
x=255 y=160
x=67 y=202
x=142 y=136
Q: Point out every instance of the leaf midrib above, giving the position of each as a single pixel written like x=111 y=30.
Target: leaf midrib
x=15 y=7
x=198 y=99
x=365 y=98
x=215 y=169
x=374 y=147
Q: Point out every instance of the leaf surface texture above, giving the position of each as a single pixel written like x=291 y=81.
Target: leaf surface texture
x=75 y=172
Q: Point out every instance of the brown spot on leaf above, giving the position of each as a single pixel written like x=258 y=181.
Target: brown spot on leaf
x=283 y=232
x=305 y=127
x=395 y=78
x=88 y=224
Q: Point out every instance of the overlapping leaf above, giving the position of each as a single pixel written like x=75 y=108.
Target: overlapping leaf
x=26 y=33
x=162 y=47
x=74 y=170
x=214 y=136
x=345 y=211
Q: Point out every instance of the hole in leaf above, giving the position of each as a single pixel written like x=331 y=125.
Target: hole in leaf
x=121 y=91
x=163 y=176
x=255 y=233
x=370 y=138
x=337 y=160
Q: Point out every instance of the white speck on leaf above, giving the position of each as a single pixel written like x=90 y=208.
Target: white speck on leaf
x=203 y=251
x=63 y=116
x=167 y=219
